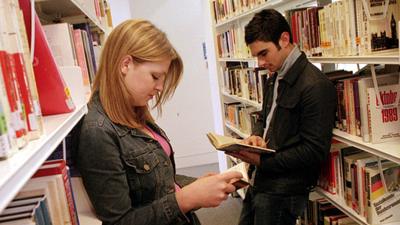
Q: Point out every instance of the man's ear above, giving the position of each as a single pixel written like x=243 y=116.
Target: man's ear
x=284 y=41
x=125 y=64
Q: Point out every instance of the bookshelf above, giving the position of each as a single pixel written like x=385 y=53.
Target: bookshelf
x=240 y=18
x=19 y=168
x=340 y=204
x=387 y=150
x=281 y=5
x=388 y=57
x=243 y=100
x=71 y=11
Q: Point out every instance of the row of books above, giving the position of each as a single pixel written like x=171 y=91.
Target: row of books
x=32 y=88
x=321 y=212
x=46 y=199
x=358 y=110
x=354 y=176
x=240 y=116
x=225 y=9
x=72 y=46
x=246 y=83
x=97 y=10
x=346 y=27
x=342 y=28
x=102 y=11
x=231 y=44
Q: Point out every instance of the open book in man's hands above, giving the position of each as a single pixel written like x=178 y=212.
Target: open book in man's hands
x=229 y=144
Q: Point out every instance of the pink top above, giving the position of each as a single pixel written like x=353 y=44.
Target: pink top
x=164 y=144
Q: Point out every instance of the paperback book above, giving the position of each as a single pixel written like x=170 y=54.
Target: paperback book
x=229 y=144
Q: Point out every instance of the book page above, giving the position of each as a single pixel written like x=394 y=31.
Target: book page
x=241 y=168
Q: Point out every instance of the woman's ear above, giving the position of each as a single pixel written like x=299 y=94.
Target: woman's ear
x=125 y=64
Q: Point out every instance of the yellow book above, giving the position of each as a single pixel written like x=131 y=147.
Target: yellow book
x=229 y=144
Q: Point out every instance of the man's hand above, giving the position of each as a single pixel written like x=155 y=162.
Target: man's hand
x=249 y=157
x=255 y=141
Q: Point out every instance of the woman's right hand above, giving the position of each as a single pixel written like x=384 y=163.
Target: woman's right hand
x=208 y=191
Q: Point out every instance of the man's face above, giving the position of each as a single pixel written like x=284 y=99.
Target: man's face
x=268 y=55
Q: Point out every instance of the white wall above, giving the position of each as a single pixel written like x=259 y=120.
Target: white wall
x=120 y=11
x=189 y=115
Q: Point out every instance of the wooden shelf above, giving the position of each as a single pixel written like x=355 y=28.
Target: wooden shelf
x=387 y=57
x=19 y=168
x=72 y=11
x=253 y=60
x=340 y=204
x=387 y=150
x=237 y=131
x=243 y=100
x=280 y=5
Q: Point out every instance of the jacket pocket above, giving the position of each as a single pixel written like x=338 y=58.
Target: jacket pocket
x=287 y=118
x=288 y=100
x=143 y=177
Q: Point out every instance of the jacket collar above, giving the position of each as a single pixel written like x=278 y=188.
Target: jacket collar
x=292 y=74
x=121 y=129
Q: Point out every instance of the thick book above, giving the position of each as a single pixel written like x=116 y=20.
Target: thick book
x=363 y=84
x=61 y=42
x=58 y=167
x=229 y=144
x=384 y=123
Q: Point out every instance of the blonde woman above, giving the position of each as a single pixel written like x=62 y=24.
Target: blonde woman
x=125 y=159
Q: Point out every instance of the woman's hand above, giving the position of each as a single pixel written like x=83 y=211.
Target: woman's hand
x=208 y=191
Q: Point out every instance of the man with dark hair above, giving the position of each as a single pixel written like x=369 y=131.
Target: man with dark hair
x=296 y=120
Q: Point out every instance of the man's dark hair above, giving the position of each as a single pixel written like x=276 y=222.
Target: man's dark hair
x=267 y=25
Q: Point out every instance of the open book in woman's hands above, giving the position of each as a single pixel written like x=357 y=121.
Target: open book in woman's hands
x=241 y=168
x=229 y=144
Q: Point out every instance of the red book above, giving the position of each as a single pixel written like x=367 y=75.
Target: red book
x=13 y=95
x=56 y=167
x=54 y=96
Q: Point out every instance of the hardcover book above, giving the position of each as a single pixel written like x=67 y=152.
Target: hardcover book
x=378 y=25
x=229 y=144
x=363 y=84
x=384 y=121
x=54 y=95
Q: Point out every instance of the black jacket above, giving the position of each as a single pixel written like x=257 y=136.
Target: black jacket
x=300 y=129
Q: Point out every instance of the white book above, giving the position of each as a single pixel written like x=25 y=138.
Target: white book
x=384 y=120
x=59 y=37
x=363 y=84
x=380 y=31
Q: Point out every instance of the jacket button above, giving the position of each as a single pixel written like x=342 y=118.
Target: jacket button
x=166 y=163
x=146 y=167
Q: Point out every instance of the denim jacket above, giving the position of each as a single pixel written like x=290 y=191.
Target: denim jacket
x=300 y=129
x=127 y=175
